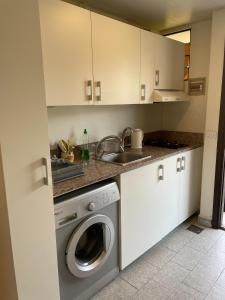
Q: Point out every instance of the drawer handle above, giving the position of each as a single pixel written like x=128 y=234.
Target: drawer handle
x=47 y=165
x=178 y=165
x=161 y=172
x=183 y=163
x=98 y=91
x=89 y=90
x=157 y=77
x=143 y=92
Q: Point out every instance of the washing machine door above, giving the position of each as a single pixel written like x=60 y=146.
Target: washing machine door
x=90 y=246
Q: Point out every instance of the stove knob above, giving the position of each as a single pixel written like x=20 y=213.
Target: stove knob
x=91 y=206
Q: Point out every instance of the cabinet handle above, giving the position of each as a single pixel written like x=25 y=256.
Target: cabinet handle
x=157 y=77
x=178 y=165
x=143 y=92
x=89 y=90
x=183 y=163
x=161 y=172
x=98 y=91
x=47 y=165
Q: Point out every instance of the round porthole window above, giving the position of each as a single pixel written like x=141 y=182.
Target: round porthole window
x=90 y=246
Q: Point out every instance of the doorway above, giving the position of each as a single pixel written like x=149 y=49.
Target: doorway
x=183 y=36
x=218 y=219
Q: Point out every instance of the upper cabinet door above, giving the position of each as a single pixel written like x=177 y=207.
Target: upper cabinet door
x=67 y=54
x=116 y=61
x=169 y=63
x=147 y=66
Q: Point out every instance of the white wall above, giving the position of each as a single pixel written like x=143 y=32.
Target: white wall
x=101 y=120
x=212 y=115
x=25 y=202
x=191 y=116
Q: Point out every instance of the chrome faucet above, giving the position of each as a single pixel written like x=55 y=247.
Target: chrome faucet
x=126 y=132
x=107 y=138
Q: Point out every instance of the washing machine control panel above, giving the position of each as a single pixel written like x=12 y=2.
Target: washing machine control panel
x=91 y=206
x=85 y=204
x=100 y=199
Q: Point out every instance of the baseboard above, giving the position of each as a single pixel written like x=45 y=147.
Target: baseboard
x=204 y=222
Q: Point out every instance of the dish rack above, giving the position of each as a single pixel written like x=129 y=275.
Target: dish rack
x=63 y=170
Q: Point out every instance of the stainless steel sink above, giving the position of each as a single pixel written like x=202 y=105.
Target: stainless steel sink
x=124 y=158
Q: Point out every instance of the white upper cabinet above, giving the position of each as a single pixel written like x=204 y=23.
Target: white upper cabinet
x=116 y=61
x=67 y=54
x=92 y=59
x=147 y=66
x=169 y=63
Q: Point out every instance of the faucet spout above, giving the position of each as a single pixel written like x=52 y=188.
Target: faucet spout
x=99 y=153
x=126 y=132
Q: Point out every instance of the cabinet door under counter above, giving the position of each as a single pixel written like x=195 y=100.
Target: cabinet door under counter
x=155 y=199
x=140 y=211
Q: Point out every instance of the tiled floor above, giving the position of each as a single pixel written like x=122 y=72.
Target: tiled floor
x=183 y=266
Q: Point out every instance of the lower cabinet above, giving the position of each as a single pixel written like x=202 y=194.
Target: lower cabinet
x=190 y=183
x=155 y=199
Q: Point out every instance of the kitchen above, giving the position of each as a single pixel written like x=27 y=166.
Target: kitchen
x=30 y=60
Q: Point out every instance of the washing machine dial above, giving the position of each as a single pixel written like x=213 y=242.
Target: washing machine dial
x=91 y=206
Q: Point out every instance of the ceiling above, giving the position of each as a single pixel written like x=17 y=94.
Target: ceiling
x=156 y=15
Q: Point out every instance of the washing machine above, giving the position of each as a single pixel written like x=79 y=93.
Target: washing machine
x=87 y=239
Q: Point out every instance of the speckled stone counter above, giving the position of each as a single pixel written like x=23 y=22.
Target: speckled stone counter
x=97 y=170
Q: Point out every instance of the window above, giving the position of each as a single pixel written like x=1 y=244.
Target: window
x=184 y=37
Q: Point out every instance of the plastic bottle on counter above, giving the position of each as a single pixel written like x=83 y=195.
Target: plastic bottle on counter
x=85 y=150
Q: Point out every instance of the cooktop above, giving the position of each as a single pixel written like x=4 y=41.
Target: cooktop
x=165 y=144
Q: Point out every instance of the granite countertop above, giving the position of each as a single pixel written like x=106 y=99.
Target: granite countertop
x=97 y=170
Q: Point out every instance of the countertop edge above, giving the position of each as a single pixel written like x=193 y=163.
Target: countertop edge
x=119 y=170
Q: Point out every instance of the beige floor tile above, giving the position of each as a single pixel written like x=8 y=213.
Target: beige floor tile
x=182 y=266
x=193 y=293
x=217 y=293
x=171 y=275
x=187 y=258
x=153 y=291
x=212 y=234
x=180 y=295
x=214 y=260
x=201 y=244
x=139 y=273
x=221 y=279
x=177 y=239
x=219 y=246
x=203 y=277
x=117 y=289
x=158 y=256
x=199 y=282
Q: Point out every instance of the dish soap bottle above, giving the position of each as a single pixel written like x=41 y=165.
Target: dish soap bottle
x=85 y=151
